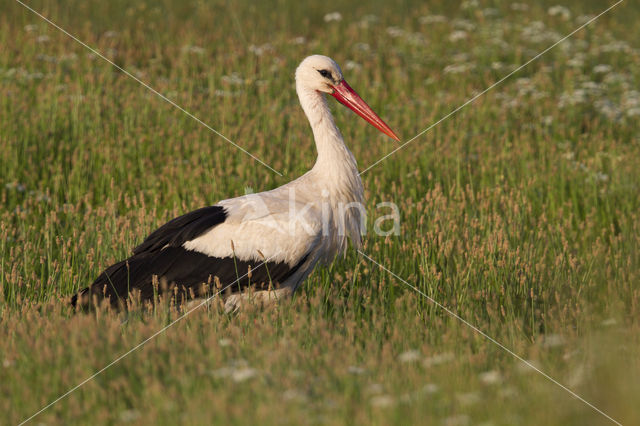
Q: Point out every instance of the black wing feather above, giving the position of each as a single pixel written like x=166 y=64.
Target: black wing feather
x=161 y=255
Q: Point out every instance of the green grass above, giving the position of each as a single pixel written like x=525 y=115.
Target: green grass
x=520 y=213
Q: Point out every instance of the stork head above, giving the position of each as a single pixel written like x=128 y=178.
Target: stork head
x=322 y=74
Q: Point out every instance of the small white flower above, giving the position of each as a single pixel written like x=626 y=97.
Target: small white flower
x=233 y=79
x=553 y=341
x=583 y=19
x=395 y=32
x=491 y=377
x=602 y=69
x=575 y=62
x=633 y=112
x=430 y=388
x=243 y=374
x=382 y=401
x=463 y=24
x=193 y=49
x=333 y=16
x=560 y=11
x=351 y=66
x=409 y=356
x=458 y=35
x=260 y=50
x=354 y=369
x=469 y=4
x=458 y=68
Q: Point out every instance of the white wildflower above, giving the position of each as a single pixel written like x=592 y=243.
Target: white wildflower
x=615 y=46
x=601 y=177
x=409 y=356
x=553 y=341
x=633 y=112
x=458 y=35
x=583 y=19
x=354 y=369
x=578 y=96
x=430 y=388
x=233 y=79
x=382 y=401
x=469 y=4
x=560 y=11
x=333 y=16
x=395 y=32
x=608 y=109
x=491 y=377
x=243 y=374
x=602 y=69
x=463 y=24
x=352 y=66
x=260 y=50
x=458 y=68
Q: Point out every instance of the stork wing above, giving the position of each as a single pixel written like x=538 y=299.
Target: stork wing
x=163 y=255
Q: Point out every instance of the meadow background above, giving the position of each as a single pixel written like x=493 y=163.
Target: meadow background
x=520 y=213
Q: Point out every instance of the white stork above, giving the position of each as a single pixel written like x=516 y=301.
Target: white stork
x=277 y=235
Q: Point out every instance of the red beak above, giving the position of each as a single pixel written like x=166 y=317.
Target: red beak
x=348 y=97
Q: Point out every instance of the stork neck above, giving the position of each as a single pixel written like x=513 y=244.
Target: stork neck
x=333 y=155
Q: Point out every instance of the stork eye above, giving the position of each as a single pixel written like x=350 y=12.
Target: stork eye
x=325 y=73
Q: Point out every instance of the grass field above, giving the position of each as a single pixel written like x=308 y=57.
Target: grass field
x=520 y=213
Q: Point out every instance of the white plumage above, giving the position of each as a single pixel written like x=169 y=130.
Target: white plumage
x=291 y=228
